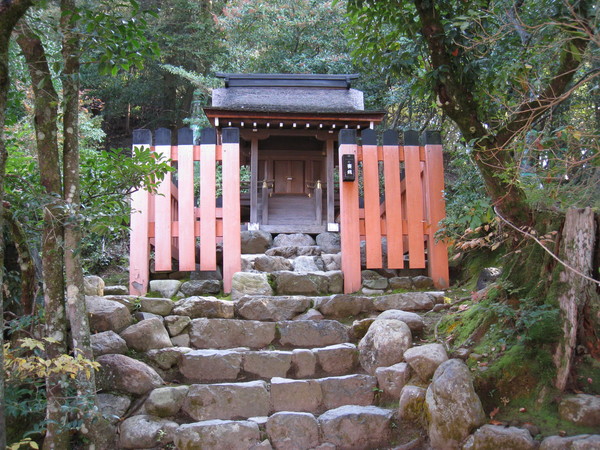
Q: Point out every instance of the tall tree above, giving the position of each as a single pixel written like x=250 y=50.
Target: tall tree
x=10 y=13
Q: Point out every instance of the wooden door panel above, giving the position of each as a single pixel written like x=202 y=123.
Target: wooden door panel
x=296 y=184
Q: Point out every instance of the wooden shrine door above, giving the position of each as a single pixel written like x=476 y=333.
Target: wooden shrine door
x=289 y=177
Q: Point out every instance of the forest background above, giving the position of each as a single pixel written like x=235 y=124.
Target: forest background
x=512 y=85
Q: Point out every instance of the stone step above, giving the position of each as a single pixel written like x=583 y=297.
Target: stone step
x=232 y=333
x=243 y=400
x=348 y=427
x=209 y=365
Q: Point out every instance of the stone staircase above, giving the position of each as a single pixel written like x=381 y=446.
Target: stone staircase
x=280 y=365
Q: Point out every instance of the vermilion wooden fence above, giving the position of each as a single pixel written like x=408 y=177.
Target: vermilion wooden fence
x=402 y=197
x=404 y=209
x=173 y=223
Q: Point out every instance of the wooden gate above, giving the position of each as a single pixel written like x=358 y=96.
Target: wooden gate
x=172 y=222
x=403 y=202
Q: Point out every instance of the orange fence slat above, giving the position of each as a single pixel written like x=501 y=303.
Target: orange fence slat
x=349 y=217
x=187 y=239
x=208 y=218
x=393 y=198
x=414 y=201
x=231 y=206
x=437 y=252
x=139 y=253
x=371 y=200
x=162 y=207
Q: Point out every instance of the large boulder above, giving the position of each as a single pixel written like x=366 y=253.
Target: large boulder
x=147 y=335
x=248 y=283
x=200 y=287
x=166 y=401
x=411 y=405
x=113 y=407
x=310 y=333
x=168 y=357
x=227 y=400
x=231 y=333
x=497 y=437
x=209 y=307
x=267 y=364
x=338 y=359
x=271 y=308
x=218 y=434
x=304 y=363
x=373 y=280
x=487 y=276
x=264 y=263
x=454 y=409
x=159 y=306
x=332 y=262
x=106 y=314
x=146 y=432
x=176 y=324
x=410 y=301
x=211 y=365
x=293 y=430
x=255 y=241
x=308 y=264
x=295 y=240
x=384 y=344
x=107 y=342
x=341 y=305
x=581 y=409
x=329 y=242
x=356 y=427
x=93 y=285
x=414 y=321
x=166 y=288
x=579 y=442
x=294 y=252
x=425 y=359
x=125 y=374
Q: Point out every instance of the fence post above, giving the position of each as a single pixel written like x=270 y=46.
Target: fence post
x=434 y=183
x=187 y=217
x=139 y=245
x=349 y=216
x=414 y=200
x=393 y=200
x=208 y=213
x=232 y=244
x=162 y=206
x=371 y=200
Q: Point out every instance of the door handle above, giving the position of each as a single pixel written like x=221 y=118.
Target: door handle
x=289 y=178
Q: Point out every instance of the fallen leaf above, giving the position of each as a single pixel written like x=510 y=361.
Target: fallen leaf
x=522 y=410
x=496 y=422
x=463 y=307
x=589 y=380
x=494 y=411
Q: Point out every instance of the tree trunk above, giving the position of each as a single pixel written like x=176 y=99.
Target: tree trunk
x=76 y=308
x=10 y=13
x=579 y=236
x=45 y=117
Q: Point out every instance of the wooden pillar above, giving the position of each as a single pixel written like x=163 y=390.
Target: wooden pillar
x=414 y=200
x=187 y=217
x=371 y=200
x=393 y=200
x=253 y=185
x=208 y=213
x=162 y=207
x=331 y=225
x=139 y=246
x=437 y=252
x=232 y=243
x=349 y=221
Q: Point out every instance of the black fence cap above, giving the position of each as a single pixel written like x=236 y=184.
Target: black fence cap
x=230 y=135
x=411 y=137
x=142 y=136
x=390 y=137
x=185 y=136
x=162 y=136
x=347 y=136
x=208 y=136
x=432 y=138
x=369 y=137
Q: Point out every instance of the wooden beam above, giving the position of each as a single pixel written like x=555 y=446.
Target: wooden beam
x=371 y=199
x=163 y=217
x=208 y=218
x=414 y=200
x=232 y=262
x=187 y=238
x=330 y=187
x=393 y=200
x=254 y=181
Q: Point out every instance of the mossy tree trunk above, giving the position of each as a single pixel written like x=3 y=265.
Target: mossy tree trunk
x=579 y=241
x=45 y=121
x=10 y=13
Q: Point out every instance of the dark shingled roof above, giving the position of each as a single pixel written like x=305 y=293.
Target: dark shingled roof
x=288 y=93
